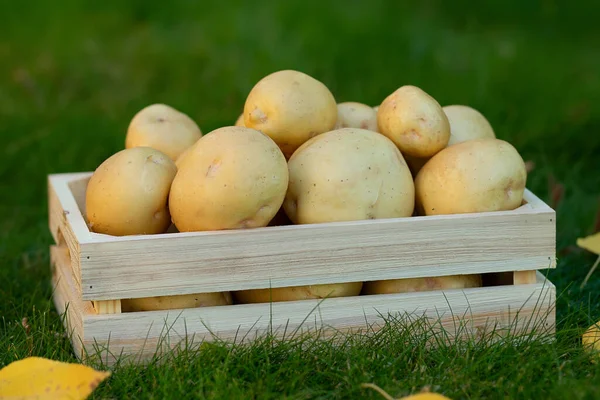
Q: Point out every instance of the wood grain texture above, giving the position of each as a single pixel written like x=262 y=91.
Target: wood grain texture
x=66 y=222
x=107 y=306
x=195 y=262
x=524 y=277
x=142 y=334
x=67 y=299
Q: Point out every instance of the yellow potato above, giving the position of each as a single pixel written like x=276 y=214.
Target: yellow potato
x=348 y=174
x=466 y=123
x=176 y=302
x=163 y=128
x=127 y=194
x=182 y=156
x=422 y=284
x=298 y=293
x=290 y=107
x=234 y=177
x=356 y=115
x=414 y=121
x=474 y=176
x=240 y=120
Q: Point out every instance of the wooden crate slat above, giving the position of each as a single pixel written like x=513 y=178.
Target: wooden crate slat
x=482 y=307
x=107 y=306
x=64 y=205
x=67 y=299
x=65 y=218
x=316 y=254
x=524 y=277
x=111 y=268
x=139 y=334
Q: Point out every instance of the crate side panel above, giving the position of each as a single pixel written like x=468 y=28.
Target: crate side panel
x=534 y=202
x=63 y=235
x=61 y=186
x=319 y=253
x=521 y=307
x=67 y=299
x=78 y=189
x=66 y=223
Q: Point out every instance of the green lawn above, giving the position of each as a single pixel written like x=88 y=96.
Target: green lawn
x=71 y=78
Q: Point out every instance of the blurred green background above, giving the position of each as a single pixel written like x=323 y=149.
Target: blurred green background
x=73 y=74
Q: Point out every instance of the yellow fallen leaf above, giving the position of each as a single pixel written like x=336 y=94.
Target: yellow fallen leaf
x=36 y=377
x=590 y=243
x=418 y=396
x=591 y=339
x=425 y=396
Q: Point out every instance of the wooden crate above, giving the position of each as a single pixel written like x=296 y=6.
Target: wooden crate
x=93 y=272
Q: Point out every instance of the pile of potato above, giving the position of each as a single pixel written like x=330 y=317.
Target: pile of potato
x=295 y=156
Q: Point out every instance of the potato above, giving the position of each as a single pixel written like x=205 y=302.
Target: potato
x=473 y=176
x=297 y=293
x=466 y=123
x=422 y=284
x=356 y=115
x=348 y=174
x=176 y=302
x=163 y=128
x=414 y=121
x=376 y=109
x=234 y=177
x=182 y=156
x=240 y=120
x=290 y=107
x=127 y=194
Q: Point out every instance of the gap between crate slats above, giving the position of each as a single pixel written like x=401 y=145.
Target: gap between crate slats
x=114 y=306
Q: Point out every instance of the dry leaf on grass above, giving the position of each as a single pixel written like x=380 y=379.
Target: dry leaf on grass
x=419 y=396
x=426 y=396
x=590 y=243
x=36 y=377
x=591 y=339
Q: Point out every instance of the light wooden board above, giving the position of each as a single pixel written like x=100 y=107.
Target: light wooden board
x=140 y=334
x=66 y=221
x=524 y=277
x=107 y=306
x=108 y=268
x=67 y=299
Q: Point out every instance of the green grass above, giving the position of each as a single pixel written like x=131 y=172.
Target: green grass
x=72 y=77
